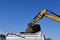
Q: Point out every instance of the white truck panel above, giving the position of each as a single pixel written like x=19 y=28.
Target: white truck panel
x=27 y=37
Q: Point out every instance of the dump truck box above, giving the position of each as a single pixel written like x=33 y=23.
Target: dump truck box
x=27 y=36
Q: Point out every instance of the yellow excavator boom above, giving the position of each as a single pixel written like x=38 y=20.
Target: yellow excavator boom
x=53 y=17
x=44 y=13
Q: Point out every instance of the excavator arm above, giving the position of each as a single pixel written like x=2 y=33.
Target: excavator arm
x=44 y=13
x=39 y=16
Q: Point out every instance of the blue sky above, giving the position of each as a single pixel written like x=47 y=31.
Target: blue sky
x=15 y=14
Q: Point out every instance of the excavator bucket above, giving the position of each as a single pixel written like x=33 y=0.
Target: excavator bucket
x=33 y=29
